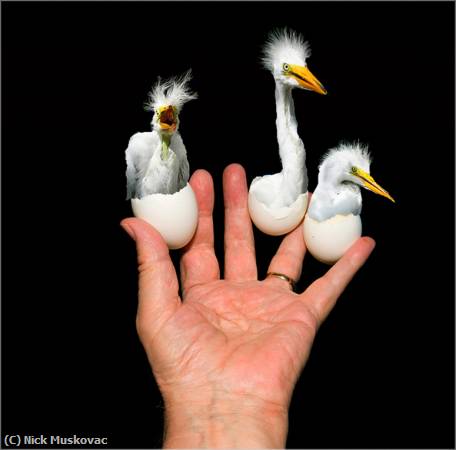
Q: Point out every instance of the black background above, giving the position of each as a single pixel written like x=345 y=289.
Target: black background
x=75 y=76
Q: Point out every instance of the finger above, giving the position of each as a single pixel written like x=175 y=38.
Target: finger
x=158 y=286
x=198 y=263
x=322 y=294
x=240 y=263
x=289 y=257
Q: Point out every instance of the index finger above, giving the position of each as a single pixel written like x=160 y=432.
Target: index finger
x=199 y=263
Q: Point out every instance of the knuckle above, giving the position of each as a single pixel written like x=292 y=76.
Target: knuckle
x=313 y=319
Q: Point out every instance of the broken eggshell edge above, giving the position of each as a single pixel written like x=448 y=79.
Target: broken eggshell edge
x=174 y=216
x=277 y=221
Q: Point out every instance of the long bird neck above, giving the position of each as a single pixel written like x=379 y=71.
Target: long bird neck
x=287 y=125
x=291 y=147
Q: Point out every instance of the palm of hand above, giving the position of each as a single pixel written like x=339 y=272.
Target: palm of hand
x=248 y=337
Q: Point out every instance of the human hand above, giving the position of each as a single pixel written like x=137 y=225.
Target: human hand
x=228 y=354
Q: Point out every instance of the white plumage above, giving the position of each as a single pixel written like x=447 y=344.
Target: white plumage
x=157 y=161
x=285 y=55
x=174 y=91
x=333 y=223
x=338 y=189
x=284 y=46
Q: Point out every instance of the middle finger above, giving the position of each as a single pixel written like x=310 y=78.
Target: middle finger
x=240 y=261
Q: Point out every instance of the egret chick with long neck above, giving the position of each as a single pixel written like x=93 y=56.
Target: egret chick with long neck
x=333 y=223
x=277 y=203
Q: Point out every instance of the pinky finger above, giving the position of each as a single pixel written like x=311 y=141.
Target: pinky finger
x=322 y=294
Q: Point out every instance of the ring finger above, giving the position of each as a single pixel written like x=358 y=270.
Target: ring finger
x=288 y=259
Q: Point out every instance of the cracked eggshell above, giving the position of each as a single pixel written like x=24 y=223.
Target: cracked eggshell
x=174 y=216
x=328 y=240
x=276 y=221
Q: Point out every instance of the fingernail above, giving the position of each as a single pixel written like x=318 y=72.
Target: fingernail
x=129 y=230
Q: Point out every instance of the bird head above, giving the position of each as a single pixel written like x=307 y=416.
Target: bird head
x=166 y=100
x=285 y=54
x=350 y=163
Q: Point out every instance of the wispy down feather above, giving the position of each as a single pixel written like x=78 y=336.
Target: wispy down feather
x=284 y=45
x=354 y=150
x=173 y=91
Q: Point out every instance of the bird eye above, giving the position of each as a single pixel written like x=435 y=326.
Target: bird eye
x=286 y=67
x=354 y=169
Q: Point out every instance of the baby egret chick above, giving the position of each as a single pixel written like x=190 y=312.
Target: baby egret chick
x=157 y=161
x=157 y=167
x=277 y=203
x=332 y=223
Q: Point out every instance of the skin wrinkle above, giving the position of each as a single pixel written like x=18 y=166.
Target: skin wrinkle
x=254 y=400
x=230 y=419
x=149 y=270
x=238 y=236
x=313 y=310
x=188 y=357
x=204 y=225
x=210 y=292
x=242 y=323
x=193 y=270
x=249 y=308
x=197 y=246
x=143 y=327
x=215 y=318
x=284 y=259
x=235 y=244
x=189 y=362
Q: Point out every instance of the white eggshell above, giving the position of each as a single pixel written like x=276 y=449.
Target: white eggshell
x=175 y=216
x=276 y=221
x=328 y=240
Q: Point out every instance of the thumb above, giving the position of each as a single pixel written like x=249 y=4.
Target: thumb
x=158 y=286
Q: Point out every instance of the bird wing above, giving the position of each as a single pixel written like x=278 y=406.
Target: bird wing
x=181 y=153
x=326 y=202
x=131 y=176
x=137 y=155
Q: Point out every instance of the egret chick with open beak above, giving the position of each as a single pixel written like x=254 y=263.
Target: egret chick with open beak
x=158 y=169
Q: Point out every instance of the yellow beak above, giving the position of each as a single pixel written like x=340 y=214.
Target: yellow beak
x=370 y=183
x=167 y=118
x=306 y=79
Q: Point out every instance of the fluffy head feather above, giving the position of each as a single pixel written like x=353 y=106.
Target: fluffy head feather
x=355 y=154
x=174 y=91
x=285 y=46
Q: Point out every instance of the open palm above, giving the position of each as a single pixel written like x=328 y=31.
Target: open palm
x=236 y=335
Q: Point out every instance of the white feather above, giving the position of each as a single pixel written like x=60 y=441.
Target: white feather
x=285 y=46
x=282 y=189
x=338 y=191
x=138 y=154
x=147 y=173
x=174 y=91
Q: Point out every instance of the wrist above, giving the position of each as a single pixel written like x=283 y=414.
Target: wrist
x=215 y=421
